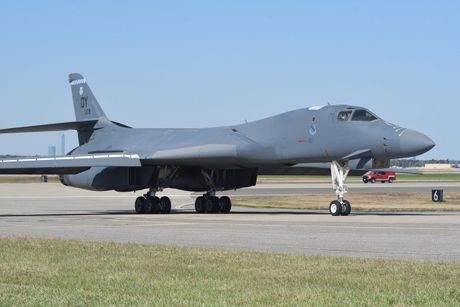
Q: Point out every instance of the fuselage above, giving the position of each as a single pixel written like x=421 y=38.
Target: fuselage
x=305 y=135
x=177 y=157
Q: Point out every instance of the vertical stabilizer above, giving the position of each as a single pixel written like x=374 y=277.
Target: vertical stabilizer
x=85 y=104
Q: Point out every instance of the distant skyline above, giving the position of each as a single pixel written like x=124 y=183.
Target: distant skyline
x=208 y=63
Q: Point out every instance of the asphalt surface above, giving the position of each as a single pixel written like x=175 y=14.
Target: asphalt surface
x=54 y=211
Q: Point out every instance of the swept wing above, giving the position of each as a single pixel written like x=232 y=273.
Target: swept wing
x=67 y=164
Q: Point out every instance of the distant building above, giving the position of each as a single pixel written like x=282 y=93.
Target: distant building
x=52 y=151
x=62 y=147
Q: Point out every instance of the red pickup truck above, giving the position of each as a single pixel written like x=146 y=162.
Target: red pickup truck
x=374 y=176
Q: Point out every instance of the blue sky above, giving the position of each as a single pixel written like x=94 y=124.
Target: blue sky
x=211 y=63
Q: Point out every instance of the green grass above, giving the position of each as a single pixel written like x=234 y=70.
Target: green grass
x=54 y=272
x=322 y=179
x=429 y=177
x=382 y=202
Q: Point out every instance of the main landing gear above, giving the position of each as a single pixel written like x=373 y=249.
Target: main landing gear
x=149 y=203
x=210 y=203
x=339 y=173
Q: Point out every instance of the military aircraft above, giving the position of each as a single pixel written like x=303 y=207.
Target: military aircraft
x=113 y=156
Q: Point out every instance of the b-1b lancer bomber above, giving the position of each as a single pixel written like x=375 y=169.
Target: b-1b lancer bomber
x=113 y=156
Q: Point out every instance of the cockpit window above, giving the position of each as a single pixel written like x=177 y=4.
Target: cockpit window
x=344 y=115
x=363 y=116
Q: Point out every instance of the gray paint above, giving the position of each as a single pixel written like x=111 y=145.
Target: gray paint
x=308 y=135
x=282 y=139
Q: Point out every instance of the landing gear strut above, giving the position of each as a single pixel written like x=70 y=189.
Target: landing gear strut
x=149 y=203
x=339 y=174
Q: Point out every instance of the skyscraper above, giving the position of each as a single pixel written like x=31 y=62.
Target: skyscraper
x=62 y=143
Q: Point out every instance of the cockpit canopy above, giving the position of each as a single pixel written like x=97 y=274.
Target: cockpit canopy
x=357 y=115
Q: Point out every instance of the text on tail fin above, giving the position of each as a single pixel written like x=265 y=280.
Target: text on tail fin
x=85 y=103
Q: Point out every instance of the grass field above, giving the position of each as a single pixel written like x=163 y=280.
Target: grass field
x=401 y=202
x=54 y=272
x=429 y=177
x=400 y=177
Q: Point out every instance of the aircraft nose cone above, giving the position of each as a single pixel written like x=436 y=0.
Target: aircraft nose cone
x=414 y=143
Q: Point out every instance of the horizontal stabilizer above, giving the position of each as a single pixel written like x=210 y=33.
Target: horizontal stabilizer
x=66 y=164
x=76 y=125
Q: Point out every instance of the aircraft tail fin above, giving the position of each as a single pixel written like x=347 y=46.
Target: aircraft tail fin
x=85 y=103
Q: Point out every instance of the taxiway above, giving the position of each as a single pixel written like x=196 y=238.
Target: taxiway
x=54 y=211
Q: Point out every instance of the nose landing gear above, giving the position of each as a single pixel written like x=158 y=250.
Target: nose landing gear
x=339 y=174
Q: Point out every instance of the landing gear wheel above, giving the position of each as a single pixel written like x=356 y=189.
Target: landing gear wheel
x=139 y=205
x=152 y=205
x=335 y=208
x=200 y=204
x=365 y=180
x=212 y=204
x=225 y=204
x=148 y=206
x=165 y=205
x=346 y=207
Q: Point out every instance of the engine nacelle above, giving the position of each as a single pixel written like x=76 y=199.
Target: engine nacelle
x=110 y=178
x=134 y=179
x=81 y=180
x=192 y=179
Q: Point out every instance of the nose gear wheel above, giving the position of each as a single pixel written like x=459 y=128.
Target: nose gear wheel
x=339 y=173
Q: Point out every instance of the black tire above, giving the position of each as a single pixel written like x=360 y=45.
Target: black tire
x=148 y=206
x=373 y=180
x=212 y=204
x=365 y=180
x=346 y=208
x=390 y=180
x=225 y=204
x=165 y=205
x=152 y=205
x=335 y=208
x=200 y=204
x=139 y=205
x=383 y=181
